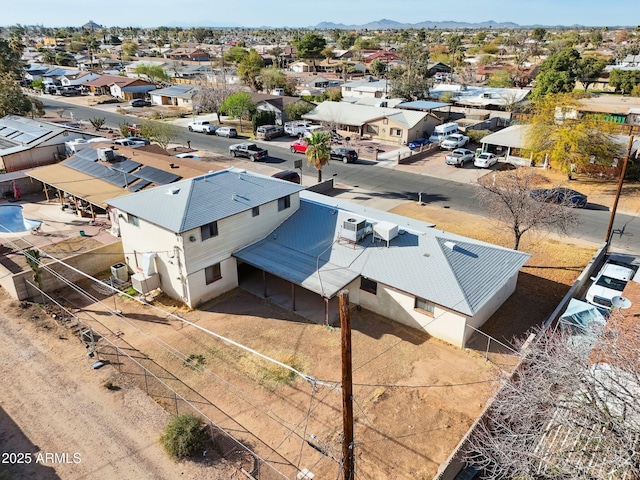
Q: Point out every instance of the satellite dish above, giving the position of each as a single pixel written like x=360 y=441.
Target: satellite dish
x=620 y=302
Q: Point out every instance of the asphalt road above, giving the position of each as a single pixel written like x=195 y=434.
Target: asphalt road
x=387 y=182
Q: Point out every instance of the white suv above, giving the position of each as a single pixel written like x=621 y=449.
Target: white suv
x=609 y=283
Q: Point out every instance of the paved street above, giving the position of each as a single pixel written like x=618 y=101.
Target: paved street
x=380 y=184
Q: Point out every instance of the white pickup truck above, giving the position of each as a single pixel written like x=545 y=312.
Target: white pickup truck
x=295 y=129
x=202 y=126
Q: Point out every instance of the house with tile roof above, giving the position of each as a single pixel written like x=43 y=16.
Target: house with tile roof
x=206 y=234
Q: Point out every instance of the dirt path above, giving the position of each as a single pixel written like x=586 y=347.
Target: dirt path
x=51 y=396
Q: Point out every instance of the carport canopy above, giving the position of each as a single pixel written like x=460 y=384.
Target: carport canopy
x=314 y=274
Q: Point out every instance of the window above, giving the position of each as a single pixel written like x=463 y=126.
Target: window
x=368 y=285
x=372 y=129
x=212 y=273
x=133 y=220
x=283 y=203
x=209 y=230
x=385 y=121
x=425 y=306
x=255 y=211
x=347 y=89
x=396 y=132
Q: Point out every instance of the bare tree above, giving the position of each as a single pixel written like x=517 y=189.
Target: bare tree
x=507 y=196
x=572 y=410
x=211 y=98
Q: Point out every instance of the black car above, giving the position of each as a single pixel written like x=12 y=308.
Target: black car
x=140 y=102
x=565 y=196
x=347 y=155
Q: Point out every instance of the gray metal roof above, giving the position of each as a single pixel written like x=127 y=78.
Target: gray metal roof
x=194 y=202
x=348 y=114
x=179 y=91
x=422 y=105
x=449 y=270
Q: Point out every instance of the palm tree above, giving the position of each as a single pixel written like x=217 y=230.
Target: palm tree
x=318 y=150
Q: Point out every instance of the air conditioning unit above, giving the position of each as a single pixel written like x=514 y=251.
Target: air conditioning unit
x=386 y=231
x=106 y=154
x=486 y=95
x=144 y=284
x=354 y=229
x=120 y=271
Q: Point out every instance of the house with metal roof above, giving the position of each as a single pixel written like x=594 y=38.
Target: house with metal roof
x=204 y=234
x=367 y=87
x=391 y=125
x=192 y=227
x=176 y=95
x=28 y=143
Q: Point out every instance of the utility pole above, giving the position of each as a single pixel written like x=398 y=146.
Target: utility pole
x=348 y=465
x=619 y=190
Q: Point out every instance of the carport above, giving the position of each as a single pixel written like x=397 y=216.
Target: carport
x=298 y=269
x=514 y=140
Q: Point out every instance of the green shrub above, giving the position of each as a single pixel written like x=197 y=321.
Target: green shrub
x=184 y=436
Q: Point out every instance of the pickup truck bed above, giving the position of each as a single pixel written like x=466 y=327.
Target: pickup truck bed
x=248 y=150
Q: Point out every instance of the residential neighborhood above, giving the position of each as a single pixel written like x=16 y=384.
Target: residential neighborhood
x=342 y=251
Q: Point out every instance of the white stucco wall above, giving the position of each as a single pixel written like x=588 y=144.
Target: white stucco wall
x=399 y=306
x=181 y=262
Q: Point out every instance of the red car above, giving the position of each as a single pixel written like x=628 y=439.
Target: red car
x=299 y=146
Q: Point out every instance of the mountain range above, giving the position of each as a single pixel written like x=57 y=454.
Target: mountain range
x=386 y=24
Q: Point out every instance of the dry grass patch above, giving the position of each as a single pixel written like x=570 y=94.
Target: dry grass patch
x=271 y=375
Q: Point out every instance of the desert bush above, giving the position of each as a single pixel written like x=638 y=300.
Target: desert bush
x=184 y=436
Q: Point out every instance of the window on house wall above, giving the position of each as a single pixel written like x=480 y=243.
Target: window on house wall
x=133 y=220
x=347 y=89
x=385 y=121
x=396 y=132
x=424 y=305
x=209 y=230
x=284 y=203
x=368 y=285
x=255 y=211
x=372 y=129
x=212 y=273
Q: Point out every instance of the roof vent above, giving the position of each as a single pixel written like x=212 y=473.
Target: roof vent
x=173 y=191
x=450 y=245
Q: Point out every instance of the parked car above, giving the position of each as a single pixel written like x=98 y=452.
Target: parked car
x=299 y=146
x=139 y=139
x=69 y=91
x=228 y=132
x=140 y=102
x=249 y=150
x=202 y=126
x=455 y=140
x=188 y=155
x=347 y=155
x=288 y=175
x=459 y=157
x=485 y=160
x=418 y=142
x=267 y=132
x=609 y=283
x=125 y=142
x=565 y=196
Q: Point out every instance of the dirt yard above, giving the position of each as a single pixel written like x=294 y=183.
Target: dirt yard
x=414 y=396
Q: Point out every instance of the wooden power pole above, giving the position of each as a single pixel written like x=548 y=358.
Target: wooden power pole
x=348 y=464
x=618 y=191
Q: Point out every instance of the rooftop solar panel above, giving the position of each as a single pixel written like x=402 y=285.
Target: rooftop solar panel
x=139 y=185
x=89 y=154
x=126 y=165
x=102 y=172
x=156 y=175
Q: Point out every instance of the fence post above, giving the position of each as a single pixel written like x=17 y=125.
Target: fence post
x=175 y=399
x=118 y=359
x=146 y=384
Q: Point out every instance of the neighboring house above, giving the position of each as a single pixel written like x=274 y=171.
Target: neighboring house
x=191 y=54
x=119 y=86
x=176 y=95
x=615 y=108
x=78 y=79
x=28 y=143
x=55 y=75
x=481 y=97
x=367 y=87
x=130 y=69
x=204 y=235
x=300 y=67
x=275 y=104
x=382 y=55
x=35 y=72
x=194 y=226
x=323 y=82
x=377 y=123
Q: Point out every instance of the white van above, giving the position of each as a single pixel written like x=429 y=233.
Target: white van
x=441 y=131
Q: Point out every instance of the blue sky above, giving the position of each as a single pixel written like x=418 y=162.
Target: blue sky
x=287 y=13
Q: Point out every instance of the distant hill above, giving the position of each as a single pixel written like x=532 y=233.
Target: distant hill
x=91 y=25
x=386 y=24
